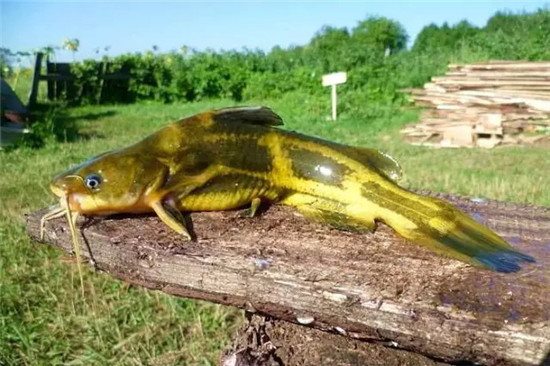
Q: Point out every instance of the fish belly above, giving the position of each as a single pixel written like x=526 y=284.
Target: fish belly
x=229 y=191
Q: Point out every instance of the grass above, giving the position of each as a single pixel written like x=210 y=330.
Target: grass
x=46 y=321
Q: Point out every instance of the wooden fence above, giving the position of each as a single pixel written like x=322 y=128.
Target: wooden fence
x=61 y=80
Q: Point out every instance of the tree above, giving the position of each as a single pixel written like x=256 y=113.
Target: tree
x=381 y=34
x=327 y=48
x=71 y=45
x=445 y=37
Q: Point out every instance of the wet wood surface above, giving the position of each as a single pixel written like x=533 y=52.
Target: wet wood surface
x=367 y=287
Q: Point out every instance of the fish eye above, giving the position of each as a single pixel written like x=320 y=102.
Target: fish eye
x=92 y=181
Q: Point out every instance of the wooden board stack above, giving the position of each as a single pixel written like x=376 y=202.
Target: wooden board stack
x=484 y=104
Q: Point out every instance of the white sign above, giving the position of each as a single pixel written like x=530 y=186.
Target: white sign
x=333 y=80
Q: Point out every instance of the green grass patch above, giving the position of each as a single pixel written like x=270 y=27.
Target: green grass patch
x=46 y=321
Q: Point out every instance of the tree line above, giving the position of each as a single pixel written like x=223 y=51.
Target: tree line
x=374 y=53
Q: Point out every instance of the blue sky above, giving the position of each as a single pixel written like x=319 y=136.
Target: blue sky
x=129 y=26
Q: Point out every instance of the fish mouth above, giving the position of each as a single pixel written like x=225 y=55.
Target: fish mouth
x=58 y=191
x=63 y=186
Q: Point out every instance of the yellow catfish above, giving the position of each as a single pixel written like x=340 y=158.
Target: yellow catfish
x=235 y=157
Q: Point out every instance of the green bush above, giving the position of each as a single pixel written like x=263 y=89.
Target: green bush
x=373 y=53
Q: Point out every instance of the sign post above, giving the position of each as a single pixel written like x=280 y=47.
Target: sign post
x=333 y=80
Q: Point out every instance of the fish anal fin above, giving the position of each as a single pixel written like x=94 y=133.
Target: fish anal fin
x=333 y=213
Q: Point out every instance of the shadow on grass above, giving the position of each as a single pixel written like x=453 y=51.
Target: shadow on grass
x=66 y=129
x=90 y=116
x=53 y=122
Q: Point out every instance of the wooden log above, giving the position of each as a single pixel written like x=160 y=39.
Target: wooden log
x=374 y=287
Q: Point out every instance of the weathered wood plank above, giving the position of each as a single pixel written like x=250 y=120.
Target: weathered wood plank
x=474 y=91
x=375 y=287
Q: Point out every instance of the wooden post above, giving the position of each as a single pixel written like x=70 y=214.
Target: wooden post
x=33 y=95
x=333 y=80
x=51 y=82
x=364 y=286
x=102 y=71
x=334 y=102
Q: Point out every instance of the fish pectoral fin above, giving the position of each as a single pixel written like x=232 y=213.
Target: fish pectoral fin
x=167 y=211
x=255 y=115
x=177 y=187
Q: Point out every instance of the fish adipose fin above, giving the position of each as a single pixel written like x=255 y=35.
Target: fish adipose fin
x=383 y=163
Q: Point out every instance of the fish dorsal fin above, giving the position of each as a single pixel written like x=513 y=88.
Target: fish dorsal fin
x=383 y=162
x=256 y=115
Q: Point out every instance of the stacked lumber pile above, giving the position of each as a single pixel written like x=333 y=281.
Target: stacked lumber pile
x=484 y=104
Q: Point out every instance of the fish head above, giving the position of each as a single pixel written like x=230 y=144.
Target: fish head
x=109 y=183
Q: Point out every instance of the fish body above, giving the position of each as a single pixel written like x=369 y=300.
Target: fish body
x=230 y=158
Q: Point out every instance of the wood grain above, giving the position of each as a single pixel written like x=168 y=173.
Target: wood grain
x=370 y=287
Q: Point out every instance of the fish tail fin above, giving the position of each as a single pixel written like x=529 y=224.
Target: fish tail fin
x=449 y=231
x=428 y=221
